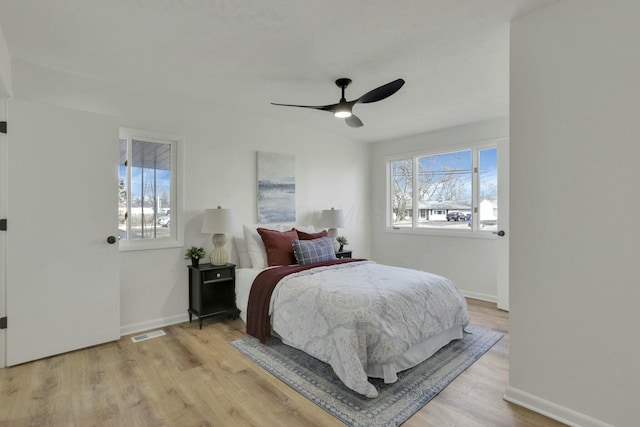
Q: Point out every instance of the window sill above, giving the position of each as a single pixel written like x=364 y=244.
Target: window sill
x=487 y=235
x=150 y=245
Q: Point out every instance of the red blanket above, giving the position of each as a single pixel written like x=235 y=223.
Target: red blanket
x=258 y=319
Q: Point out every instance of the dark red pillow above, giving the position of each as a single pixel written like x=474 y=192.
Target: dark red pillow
x=310 y=236
x=279 y=246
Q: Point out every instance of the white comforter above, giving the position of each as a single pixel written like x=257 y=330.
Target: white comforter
x=352 y=314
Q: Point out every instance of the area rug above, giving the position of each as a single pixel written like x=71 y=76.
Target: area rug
x=395 y=403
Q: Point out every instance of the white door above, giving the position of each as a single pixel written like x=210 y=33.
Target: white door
x=3 y=235
x=502 y=243
x=62 y=275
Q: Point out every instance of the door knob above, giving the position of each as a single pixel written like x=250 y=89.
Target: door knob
x=499 y=233
x=111 y=240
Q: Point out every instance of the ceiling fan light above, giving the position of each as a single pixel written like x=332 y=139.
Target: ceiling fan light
x=343 y=113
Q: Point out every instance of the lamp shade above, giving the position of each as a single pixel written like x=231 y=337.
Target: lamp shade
x=218 y=221
x=332 y=218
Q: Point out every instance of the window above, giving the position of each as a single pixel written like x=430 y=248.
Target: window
x=488 y=189
x=455 y=190
x=147 y=190
x=402 y=192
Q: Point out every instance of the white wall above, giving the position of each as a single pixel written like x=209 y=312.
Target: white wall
x=427 y=252
x=575 y=146
x=220 y=169
x=5 y=67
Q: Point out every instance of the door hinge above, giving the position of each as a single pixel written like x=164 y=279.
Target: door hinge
x=3 y=224
x=3 y=323
x=3 y=127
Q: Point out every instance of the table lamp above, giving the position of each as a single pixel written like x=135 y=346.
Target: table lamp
x=332 y=219
x=218 y=221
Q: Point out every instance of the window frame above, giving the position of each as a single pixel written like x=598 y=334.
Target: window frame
x=175 y=238
x=474 y=231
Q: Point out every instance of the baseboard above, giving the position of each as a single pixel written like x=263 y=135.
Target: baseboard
x=551 y=410
x=151 y=324
x=481 y=297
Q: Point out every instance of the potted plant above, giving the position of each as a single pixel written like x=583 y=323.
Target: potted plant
x=194 y=254
x=342 y=241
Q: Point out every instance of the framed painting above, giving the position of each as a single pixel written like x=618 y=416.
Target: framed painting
x=276 y=187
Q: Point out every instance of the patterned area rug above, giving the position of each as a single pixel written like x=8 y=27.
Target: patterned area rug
x=395 y=403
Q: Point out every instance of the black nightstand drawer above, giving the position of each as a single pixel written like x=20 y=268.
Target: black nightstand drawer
x=343 y=254
x=214 y=275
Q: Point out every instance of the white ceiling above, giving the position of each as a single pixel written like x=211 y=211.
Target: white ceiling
x=453 y=54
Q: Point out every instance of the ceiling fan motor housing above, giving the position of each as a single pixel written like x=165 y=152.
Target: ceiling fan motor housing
x=343 y=82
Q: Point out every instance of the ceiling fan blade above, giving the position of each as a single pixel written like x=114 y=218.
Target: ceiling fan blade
x=381 y=92
x=319 y=107
x=353 y=121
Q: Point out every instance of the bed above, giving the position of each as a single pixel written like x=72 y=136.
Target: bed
x=363 y=318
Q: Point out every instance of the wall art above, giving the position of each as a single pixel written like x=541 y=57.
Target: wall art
x=276 y=187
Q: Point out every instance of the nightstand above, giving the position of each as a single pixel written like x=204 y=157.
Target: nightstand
x=343 y=254
x=212 y=291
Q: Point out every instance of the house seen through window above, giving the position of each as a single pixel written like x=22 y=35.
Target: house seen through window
x=455 y=190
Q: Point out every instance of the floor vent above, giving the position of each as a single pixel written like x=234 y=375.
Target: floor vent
x=148 y=336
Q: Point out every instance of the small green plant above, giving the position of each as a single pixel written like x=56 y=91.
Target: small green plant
x=194 y=253
x=342 y=240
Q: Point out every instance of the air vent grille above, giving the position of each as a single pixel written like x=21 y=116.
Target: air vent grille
x=148 y=336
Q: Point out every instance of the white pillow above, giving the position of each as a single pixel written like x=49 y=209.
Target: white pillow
x=244 y=261
x=255 y=246
x=305 y=228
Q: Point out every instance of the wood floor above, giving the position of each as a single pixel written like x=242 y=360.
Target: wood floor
x=193 y=377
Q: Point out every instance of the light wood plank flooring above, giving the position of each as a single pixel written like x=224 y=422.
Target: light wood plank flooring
x=193 y=377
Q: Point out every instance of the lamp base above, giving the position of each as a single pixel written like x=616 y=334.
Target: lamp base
x=332 y=233
x=219 y=255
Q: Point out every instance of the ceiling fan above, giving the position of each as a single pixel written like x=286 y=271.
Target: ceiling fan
x=343 y=108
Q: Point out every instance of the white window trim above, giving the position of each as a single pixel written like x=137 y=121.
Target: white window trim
x=177 y=206
x=474 y=232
